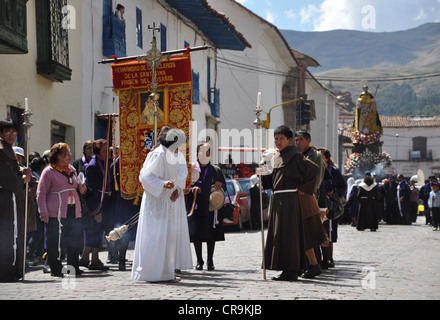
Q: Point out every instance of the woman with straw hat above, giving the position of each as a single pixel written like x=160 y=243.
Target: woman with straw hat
x=206 y=224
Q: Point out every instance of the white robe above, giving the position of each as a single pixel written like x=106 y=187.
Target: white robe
x=183 y=250
x=157 y=232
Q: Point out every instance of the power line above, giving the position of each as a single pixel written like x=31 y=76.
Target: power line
x=268 y=71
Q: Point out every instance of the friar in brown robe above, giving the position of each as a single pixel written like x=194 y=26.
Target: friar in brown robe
x=285 y=246
x=12 y=206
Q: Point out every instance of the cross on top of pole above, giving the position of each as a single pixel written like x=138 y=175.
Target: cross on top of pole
x=154 y=29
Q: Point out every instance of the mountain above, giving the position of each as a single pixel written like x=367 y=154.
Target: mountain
x=359 y=49
x=350 y=59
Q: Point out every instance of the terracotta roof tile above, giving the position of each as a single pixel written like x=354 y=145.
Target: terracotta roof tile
x=409 y=121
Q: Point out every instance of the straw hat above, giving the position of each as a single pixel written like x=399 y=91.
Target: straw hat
x=216 y=199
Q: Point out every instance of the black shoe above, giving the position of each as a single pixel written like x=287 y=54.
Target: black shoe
x=312 y=272
x=199 y=266
x=83 y=263
x=99 y=266
x=287 y=276
x=210 y=266
x=122 y=266
x=78 y=272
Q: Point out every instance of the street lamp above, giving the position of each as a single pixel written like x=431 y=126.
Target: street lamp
x=341 y=144
x=397 y=144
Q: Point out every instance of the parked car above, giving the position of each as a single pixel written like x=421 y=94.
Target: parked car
x=242 y=214
x=245 y=184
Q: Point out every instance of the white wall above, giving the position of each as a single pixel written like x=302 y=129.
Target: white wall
x=399 y=148
x=324 y=130
x=97 y=86
x=49 y=101
x=240 y=85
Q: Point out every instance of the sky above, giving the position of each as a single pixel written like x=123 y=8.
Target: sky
x=362 y=15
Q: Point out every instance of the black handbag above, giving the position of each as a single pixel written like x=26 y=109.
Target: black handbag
x=335 y=207
x=228 y=209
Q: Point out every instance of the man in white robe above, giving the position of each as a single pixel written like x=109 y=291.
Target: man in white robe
x=157 y=240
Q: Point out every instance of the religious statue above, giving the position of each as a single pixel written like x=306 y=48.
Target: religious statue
x=367 y=118
x=366 y=133
x=147 y=117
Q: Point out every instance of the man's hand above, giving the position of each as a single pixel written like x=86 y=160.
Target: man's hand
x=168 y=185
x=174 y=195
x=98 y=217
x=197 y=190
x=27 y=174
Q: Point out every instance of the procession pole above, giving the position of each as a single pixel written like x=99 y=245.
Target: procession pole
x=167 y=54
x=27 y=124
x=154 y=58
x=258 y=124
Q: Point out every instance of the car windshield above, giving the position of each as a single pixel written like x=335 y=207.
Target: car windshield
x=245 y=185
x=230 y=188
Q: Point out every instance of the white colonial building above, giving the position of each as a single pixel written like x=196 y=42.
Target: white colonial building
x=413 y=143
x=40 y=59
x=181 y=24
x=271 y=67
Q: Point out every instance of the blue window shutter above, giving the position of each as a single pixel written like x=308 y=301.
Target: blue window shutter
x=139 y=39
x=196 y=91
x=163 y=38
x=209 y=79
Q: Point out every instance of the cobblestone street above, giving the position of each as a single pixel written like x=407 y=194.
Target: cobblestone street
x=395 y=263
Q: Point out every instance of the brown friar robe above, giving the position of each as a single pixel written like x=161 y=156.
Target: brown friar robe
x=11 y=237
x=285 y=247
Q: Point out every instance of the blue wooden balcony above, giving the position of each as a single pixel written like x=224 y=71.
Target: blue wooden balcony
x=215 y=102
x=113 y=37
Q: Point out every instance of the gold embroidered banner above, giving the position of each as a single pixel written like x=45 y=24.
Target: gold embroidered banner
x=136 y=124
x=133 y=74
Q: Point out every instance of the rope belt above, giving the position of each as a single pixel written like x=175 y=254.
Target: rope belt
x=285 y=191
x=59 y=218
x=14 y=199
x=278 y=192
x=193 y=207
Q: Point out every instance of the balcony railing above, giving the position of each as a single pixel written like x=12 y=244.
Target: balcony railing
x=113 y=37
x=13 y=27
x=417 y=155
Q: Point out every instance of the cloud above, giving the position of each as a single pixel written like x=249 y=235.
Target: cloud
x=291 y=15
x=270 y=16
x=370 y=15
x=337 y=14
x=306 y=13
x=422 y=15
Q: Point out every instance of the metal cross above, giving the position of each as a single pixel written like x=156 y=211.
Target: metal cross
x=154 y=28
x=154 y=59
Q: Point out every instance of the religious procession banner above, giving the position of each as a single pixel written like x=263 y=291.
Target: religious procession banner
x=132 y=82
